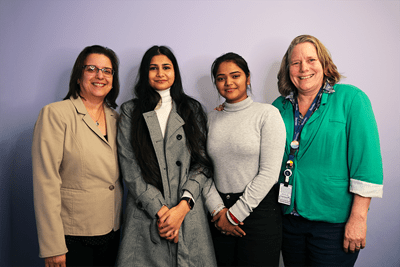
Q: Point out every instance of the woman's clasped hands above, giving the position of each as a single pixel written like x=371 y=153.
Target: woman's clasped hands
x=222 y=224
x=170 y=221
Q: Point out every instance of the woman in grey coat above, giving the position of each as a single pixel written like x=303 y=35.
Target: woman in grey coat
x=162 y=153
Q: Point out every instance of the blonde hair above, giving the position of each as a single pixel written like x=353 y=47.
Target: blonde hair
x=331 y=74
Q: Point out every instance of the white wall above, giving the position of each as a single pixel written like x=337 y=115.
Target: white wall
x=40 y=40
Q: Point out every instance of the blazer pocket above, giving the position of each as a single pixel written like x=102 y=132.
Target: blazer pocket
x=87 y=213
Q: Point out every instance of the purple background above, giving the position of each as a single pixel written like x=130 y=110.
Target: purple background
x=40 y=40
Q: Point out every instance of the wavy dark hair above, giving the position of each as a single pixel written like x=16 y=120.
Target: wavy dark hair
x=77 y=72
x=189 y=109
x=331 y=74
x=232 y=57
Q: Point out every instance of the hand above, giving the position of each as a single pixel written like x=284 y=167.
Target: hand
x=171 y=221
x=220 y=107
x=222 y=223
x=162 y=211
x=56 y=261
x=355 y=234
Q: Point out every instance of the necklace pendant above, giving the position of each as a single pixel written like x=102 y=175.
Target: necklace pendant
x=97 y=123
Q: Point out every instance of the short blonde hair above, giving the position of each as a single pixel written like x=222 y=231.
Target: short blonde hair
x=331 y=74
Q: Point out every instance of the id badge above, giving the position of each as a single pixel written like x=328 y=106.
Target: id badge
x=285 y=194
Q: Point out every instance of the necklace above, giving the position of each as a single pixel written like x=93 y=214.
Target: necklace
x=91 y=112
x=97 y=121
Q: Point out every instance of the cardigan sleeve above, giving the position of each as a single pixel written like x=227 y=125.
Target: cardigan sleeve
x=147 y=196
x=364 y=155
x=47 y=155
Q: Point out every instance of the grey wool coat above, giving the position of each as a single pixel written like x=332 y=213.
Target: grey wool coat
x=141 y=244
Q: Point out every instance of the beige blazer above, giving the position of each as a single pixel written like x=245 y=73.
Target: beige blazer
x=76 y=183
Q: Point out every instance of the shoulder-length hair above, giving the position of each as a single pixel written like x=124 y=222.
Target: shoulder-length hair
x=331 y=74
x=77 y=72
x=188 y=108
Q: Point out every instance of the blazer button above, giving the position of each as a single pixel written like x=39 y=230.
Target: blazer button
x=111 y=187
x=178 y=163
x=228 y=196
x=179 y=137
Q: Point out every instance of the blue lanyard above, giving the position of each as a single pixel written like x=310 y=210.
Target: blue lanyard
x=298 y=127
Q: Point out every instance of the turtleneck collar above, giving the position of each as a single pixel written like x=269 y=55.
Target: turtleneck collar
x=238 y=106
x=165 y=98
x=164 y=93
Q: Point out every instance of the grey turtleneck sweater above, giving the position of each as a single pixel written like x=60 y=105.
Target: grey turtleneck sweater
x=246 y=142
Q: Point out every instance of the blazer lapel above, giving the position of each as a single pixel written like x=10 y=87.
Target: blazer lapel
x=81 y=109
x=111 y=120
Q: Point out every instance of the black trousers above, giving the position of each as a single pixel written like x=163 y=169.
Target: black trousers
x=262 y=244
x=82 y=253
x=312 y=243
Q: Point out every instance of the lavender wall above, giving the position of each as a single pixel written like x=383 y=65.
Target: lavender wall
x=40 y=39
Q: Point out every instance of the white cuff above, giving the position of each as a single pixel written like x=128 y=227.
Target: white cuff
x=189 y=195
x=217 y=209
x=365 y=189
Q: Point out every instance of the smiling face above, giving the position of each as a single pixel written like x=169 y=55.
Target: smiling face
x=95 y=85
x=306 y=72
x=231 y=82
x=161 y=73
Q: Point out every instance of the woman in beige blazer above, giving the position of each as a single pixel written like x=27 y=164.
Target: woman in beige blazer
x=77 y=187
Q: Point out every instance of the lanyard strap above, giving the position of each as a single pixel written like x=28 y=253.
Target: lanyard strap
x=298 y=127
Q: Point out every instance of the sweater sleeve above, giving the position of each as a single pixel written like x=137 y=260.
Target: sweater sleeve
x=364 y=155
x=47 y=155
x=147 y=196
x=273 y=136
x=213 y=200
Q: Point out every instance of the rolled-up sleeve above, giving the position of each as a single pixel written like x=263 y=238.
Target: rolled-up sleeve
x=364 y=154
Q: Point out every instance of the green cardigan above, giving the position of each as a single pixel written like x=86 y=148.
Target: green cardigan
x=339 y=155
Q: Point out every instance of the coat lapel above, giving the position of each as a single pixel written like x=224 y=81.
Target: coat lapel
x=81 y=109
x=158 y=143
x=174 y=122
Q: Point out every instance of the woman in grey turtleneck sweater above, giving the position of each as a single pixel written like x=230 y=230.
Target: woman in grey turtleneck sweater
x=246 y=143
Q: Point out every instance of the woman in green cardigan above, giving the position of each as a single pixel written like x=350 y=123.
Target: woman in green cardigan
x=332 y=164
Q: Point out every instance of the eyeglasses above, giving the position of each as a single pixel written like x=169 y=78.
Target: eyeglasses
x=108 y=72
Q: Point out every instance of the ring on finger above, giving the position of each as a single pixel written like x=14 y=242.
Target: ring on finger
x=223 y=232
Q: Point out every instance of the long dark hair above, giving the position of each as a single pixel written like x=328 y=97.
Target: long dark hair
x=77 y=71
x=189 y=109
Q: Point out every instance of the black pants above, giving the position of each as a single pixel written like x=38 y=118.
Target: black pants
x=84 y=254
x=312 y=243
x=262 y=244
